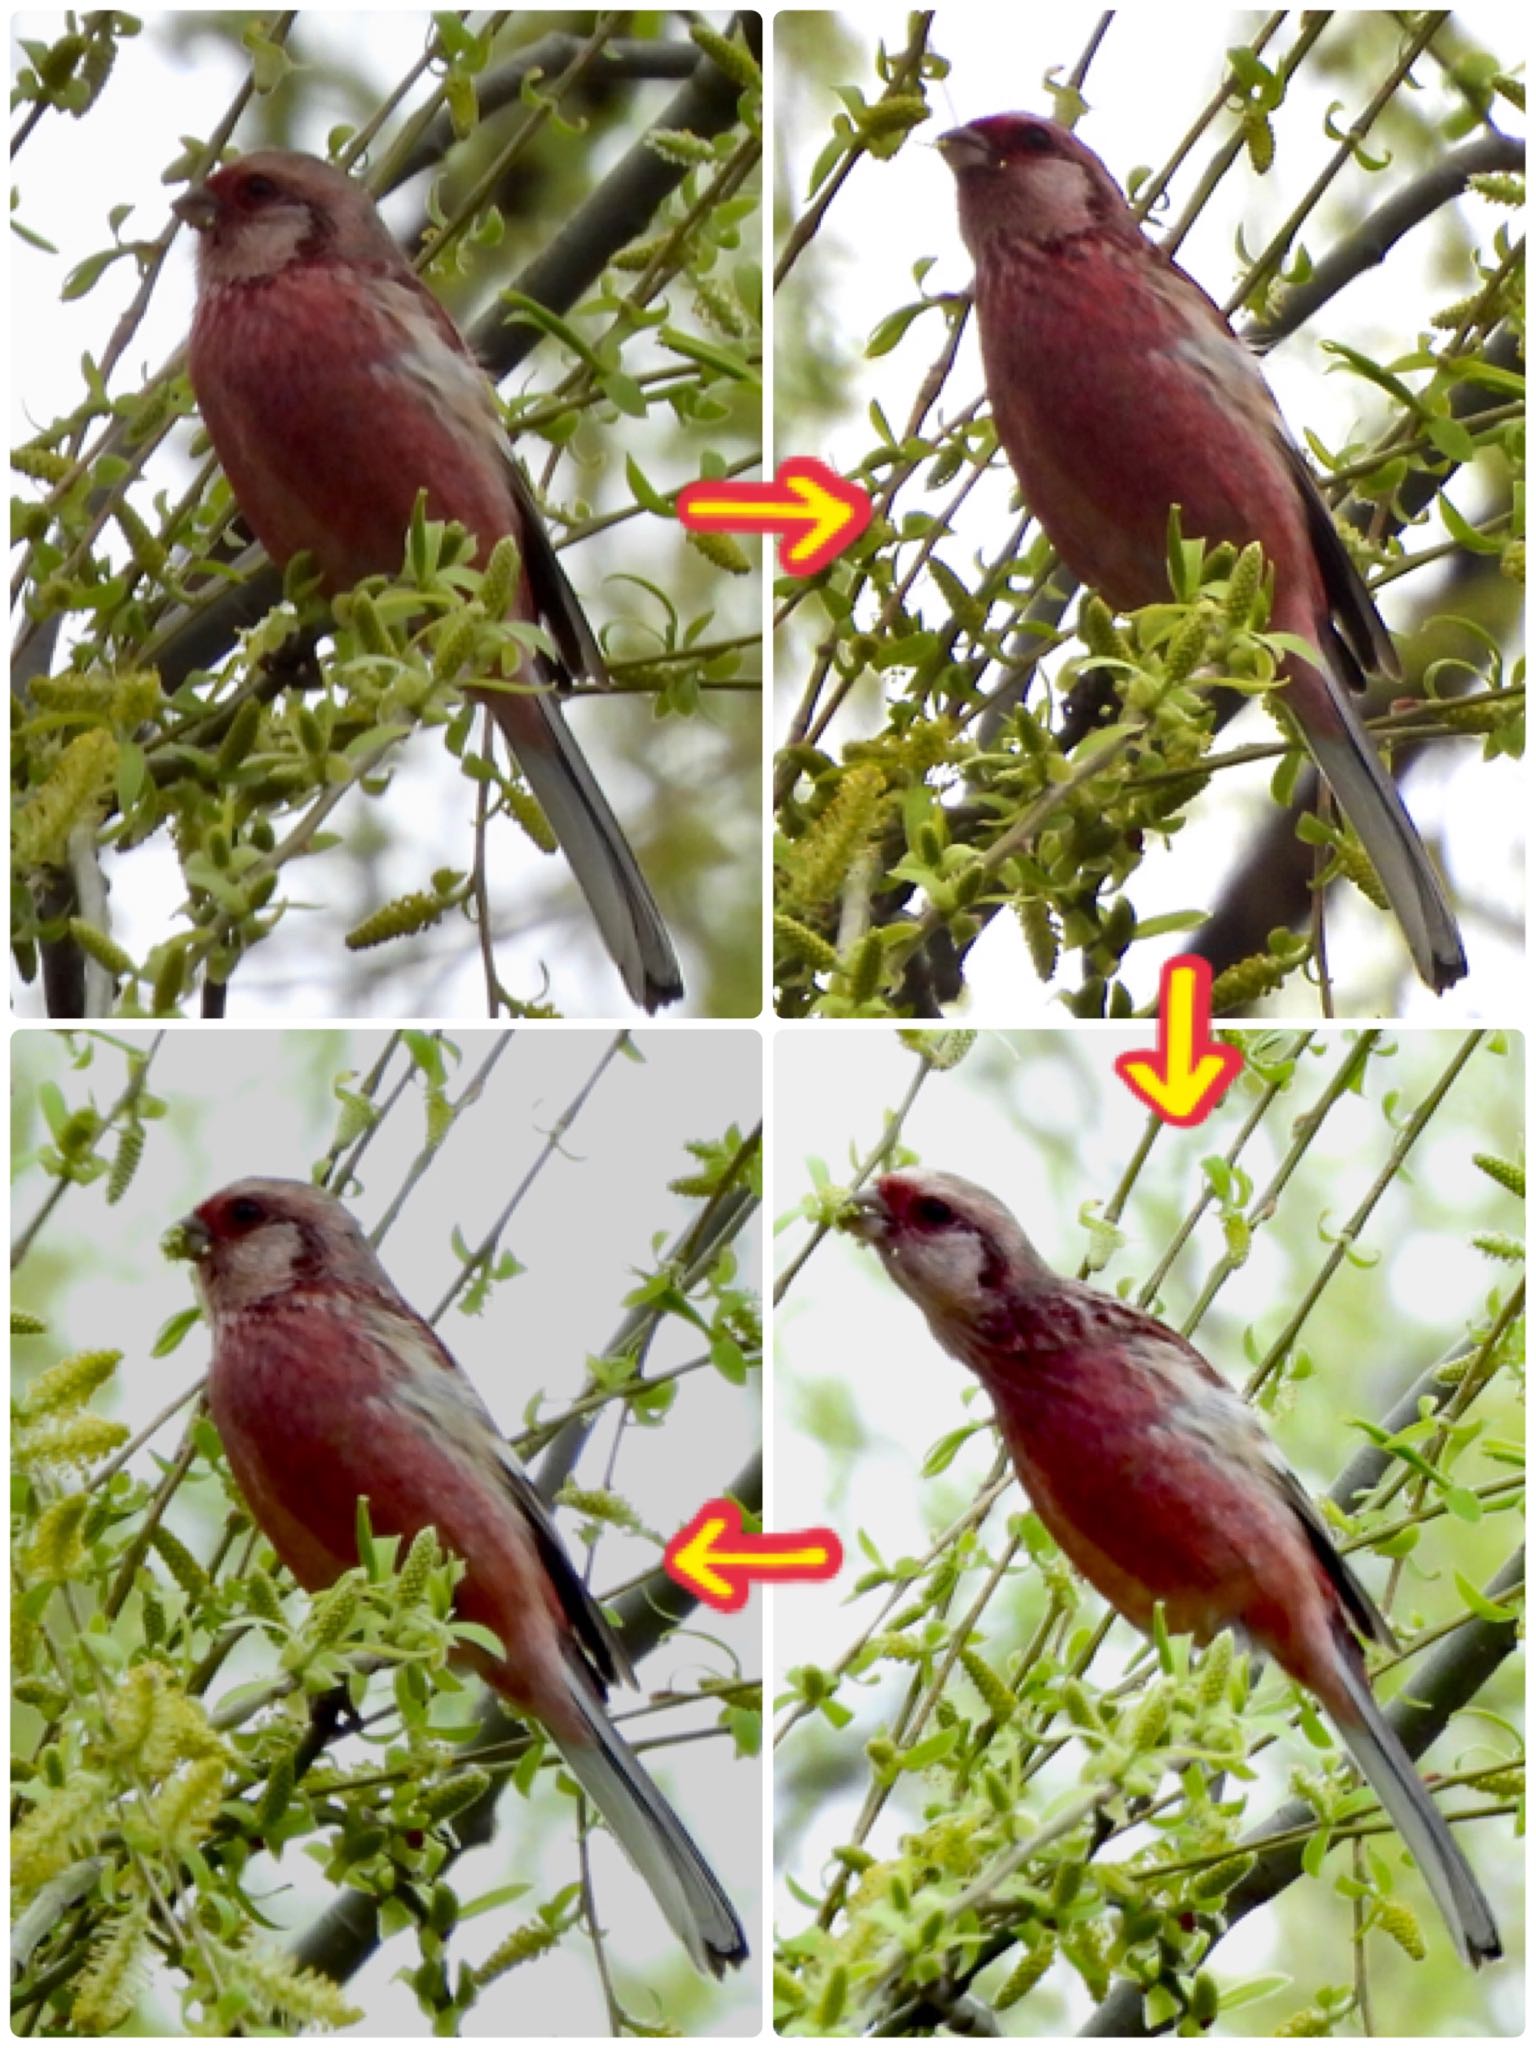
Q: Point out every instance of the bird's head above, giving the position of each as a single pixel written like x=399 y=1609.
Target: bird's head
x=256 y=216
x=260 y=1239
x=1023 y=177
x=955 y=1249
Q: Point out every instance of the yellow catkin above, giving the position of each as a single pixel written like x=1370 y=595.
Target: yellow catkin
x=77 y=782
x=820 y=860
x=107 y=1989
x=70 y=1383
x=1025 y=1975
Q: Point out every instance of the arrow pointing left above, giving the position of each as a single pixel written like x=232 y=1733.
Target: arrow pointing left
x=716 y=1560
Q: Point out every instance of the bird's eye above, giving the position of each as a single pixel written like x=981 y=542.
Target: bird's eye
x=932 y=1212
x=1040 y=140
x=245 y=1212
x=257 y=189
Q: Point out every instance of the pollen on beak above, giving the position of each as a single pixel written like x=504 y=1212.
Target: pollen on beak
x=189 y=1239
x=965 y=149
x=865 y=1216
x=197 y=207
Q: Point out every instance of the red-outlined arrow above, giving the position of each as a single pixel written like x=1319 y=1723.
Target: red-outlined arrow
x=816 y=512
x=715 y=1559
x=1186 y=1077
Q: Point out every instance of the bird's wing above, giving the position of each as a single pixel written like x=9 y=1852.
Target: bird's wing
x=1361 y=1608
x=448 y=1404
x=558 y=607
x=1354 y=609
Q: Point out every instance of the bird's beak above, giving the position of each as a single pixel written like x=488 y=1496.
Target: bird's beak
x=189 y=1239
x=867 y=1217
x=197 y=207
x=966 y=149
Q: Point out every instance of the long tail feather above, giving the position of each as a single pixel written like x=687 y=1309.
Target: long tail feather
x=593 y=841
x=1388 y=1769
x=657 y=1843
x=1370 y=801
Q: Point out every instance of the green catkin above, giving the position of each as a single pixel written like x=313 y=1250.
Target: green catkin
x=529 y=813
x=1000 y=1702
x=498 y=586
x=398 y=920
x=1039 y=928
x=276 y=1795
x=802 y=943
x=1221 y=1878
x=1025 y=1975
x=1355 y=862
x=533 y=1939
x=1243 y=586
x=1238 y=987
x=421 y=1561
x=721 y=552
x=1188 y=647
x=453 y=1795
x=106 y=952
x=1509 y=1174
x=334 y=1615
x=239 y=740
x=1401 y=1923
x=69 y=1384
x=729 y=56
x=1215 y=1670
x=125 y=1164
x=179 y=1561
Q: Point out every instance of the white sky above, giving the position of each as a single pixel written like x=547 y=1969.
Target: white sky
x=1142 y=99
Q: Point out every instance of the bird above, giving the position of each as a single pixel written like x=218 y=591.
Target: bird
x=1157 y=1482
x=1119 y=390
x=326 y=1386
x=335 y=388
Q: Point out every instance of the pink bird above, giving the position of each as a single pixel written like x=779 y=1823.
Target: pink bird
x=327 y=1386
x=334 y=388
x=1119 y=390
x=1157 y=1482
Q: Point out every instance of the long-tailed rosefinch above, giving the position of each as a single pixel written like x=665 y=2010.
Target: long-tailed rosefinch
x=1119 y=391
x=327 y=1386
x=1157 y=1482
x=335 y=388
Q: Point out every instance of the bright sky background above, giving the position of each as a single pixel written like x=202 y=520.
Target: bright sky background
x=1042 y=1120
x=1143 y=94
x=159 y=94
x=254 y=1102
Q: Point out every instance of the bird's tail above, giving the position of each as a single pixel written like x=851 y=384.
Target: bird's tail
x=1370 y=801
x=1388 y=1769
x=656 y=1842
x=593 y=841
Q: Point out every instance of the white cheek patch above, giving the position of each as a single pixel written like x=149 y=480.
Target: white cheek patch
x=943 y=1268
x=1063 y=192
x=267 y=243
